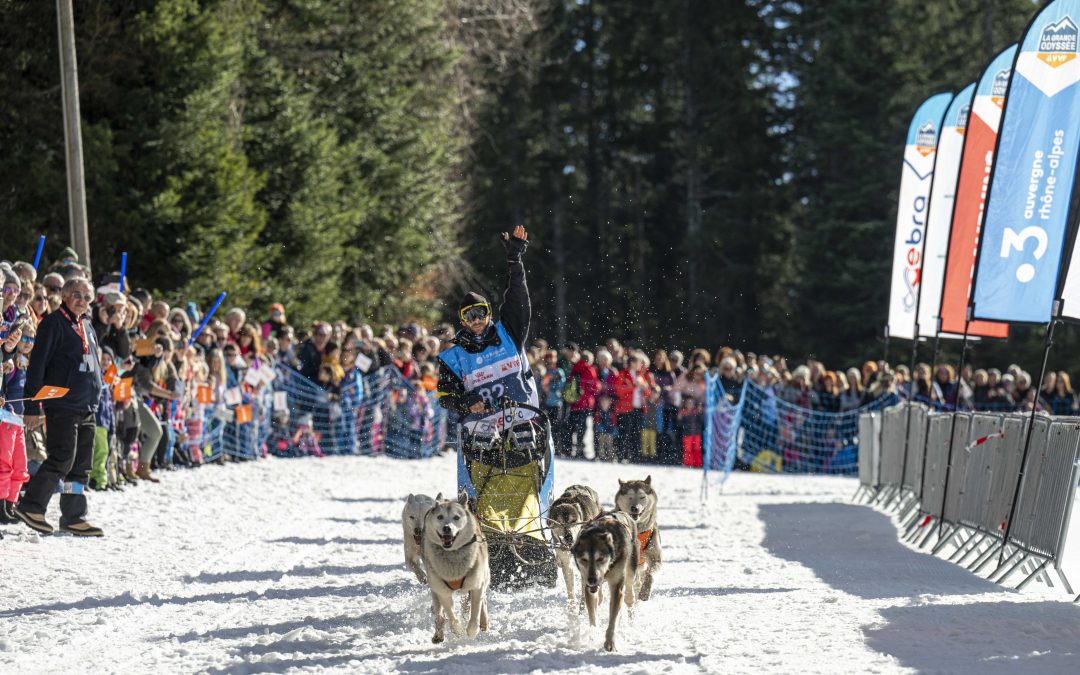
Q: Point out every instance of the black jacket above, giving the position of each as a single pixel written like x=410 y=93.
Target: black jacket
x=515 y=312
x=55 y=361
x=309 y=360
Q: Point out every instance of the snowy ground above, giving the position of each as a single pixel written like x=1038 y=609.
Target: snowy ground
x=283 y=565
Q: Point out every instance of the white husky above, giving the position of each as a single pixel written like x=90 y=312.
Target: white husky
x=412 y=525
x=456 y=559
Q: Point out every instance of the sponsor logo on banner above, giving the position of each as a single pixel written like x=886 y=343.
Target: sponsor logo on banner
x=926 y=141
x=960 y=123
x=1057 y=44
x=1000 y=87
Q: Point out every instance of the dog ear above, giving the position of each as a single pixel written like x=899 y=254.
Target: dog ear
x=610 y=540
x=648 y=479
x=438 y=497
x=621 y=482
x=463 y=498
x=409 y=498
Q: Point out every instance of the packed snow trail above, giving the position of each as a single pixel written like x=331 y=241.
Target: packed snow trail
x=282 y=565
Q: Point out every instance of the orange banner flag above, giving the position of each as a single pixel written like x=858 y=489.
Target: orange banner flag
x=46 y=393
x=243 y=414
x=122 y=390
x=110 y=374
x=205 y=395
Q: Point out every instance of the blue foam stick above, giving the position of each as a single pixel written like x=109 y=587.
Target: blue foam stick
x=206 y=319
x=123 y=269
x=40 y=248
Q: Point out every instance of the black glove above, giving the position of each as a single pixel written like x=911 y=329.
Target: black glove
x=471 y=400
x=514 y=248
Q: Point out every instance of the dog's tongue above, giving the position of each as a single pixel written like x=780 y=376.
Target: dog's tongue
x=594 y=589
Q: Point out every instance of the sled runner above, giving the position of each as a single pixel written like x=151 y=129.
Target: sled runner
x=508 y=476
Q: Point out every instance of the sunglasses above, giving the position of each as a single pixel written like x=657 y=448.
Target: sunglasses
x=474 y=313
x=54 y=289
x=10 y=291
x=27 y=339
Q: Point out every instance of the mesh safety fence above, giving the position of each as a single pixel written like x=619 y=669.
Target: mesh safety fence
x=286 y=414
x=763 y=432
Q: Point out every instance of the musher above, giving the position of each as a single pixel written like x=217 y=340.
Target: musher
x=488 y=362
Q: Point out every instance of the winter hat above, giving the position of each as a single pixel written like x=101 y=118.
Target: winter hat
x=68 y=253
x=471 y=299
x=10 y=277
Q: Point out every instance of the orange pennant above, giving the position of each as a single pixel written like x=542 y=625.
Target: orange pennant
x=122 y=390
x=243 y=414
x=46 y=393
x=110 y=374
x=204 y=395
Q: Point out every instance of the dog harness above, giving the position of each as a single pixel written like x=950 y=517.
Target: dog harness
x=644 y=537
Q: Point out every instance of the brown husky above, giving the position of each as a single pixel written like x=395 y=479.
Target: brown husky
x=607 y=550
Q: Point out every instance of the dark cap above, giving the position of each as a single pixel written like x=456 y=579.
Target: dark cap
x=471 y=299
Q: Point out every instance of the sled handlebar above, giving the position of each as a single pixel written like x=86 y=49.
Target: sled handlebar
x=505 y=402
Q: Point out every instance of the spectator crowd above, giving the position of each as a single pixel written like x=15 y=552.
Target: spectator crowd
x=155 y=389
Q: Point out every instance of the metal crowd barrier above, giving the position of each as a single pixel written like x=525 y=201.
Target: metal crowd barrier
x=869 y=452
x=964 y=469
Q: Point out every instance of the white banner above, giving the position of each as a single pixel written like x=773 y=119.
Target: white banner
x=939 y=223
x=920 y=153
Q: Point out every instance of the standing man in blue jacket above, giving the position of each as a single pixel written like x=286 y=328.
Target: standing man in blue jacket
x=65 y=355
x=487 y=361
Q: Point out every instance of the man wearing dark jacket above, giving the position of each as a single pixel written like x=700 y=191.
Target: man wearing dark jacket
x=65 y=355
x=487 y=361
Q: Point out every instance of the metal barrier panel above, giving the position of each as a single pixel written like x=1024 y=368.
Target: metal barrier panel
x=892 y=444
x=1024 y=520
x=1046 y=496
x=957 y=470
x=939 y=426
x=912 y=477
x=869 y=448
x=1005 y=472
x=979 y=470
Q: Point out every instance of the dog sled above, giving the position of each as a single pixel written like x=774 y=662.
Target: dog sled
x=508 y=474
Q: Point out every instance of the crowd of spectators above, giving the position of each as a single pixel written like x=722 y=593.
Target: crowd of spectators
x=158 y=387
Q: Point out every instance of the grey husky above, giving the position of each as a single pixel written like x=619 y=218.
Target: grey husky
x=638 y=499
x=567 y=515
x=607 y=550
x=456 y=558
x=412 y=525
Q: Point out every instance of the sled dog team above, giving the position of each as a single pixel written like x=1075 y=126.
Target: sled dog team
x=446 y=549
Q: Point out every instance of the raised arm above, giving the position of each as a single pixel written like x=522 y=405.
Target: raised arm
x=516 y=309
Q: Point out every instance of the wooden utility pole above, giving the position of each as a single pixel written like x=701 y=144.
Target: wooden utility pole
x=69 y=88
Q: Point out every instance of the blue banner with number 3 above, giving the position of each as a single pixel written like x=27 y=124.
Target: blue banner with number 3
x=1027 y=210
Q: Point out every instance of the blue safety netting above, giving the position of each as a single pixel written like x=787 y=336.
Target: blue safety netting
x=381 y=412
x=378 y=413
x=764 y=432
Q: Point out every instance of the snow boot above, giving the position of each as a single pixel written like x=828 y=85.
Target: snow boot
x=35 y=521
x=6 y=516
x=81 y=528
x=144 y=473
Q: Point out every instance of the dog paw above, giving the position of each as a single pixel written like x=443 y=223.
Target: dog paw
x=457 y=627
x=422 y=579
x=473 y=630
x=609 y=645
x=437 y=638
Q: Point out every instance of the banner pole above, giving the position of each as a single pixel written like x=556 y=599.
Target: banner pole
x=926 y=436
x=952 y=427
x=1031 y=427
x=123 y=269
x=886 y=358
x=910 y=400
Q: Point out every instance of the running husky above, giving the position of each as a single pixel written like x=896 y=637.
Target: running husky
x=412 y=525
x=606 y=550
x=456 y=558
x=577 y=505
x=638 y=499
